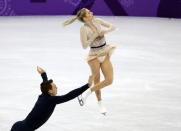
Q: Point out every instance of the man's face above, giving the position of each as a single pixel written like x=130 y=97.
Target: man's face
x=53 y=91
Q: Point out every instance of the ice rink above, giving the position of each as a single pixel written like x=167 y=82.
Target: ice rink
x=145 y=94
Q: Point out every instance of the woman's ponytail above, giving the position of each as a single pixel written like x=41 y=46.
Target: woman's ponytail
x=70 y=21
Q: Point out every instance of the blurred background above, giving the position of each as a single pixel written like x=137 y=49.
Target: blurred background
x=159 y=8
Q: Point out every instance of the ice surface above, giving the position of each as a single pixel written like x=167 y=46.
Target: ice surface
x=145 y=95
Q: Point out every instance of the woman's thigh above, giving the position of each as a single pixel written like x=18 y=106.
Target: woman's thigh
x=107 y=68
x=94 y=66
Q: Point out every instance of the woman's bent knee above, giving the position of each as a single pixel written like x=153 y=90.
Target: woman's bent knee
x=109 y=81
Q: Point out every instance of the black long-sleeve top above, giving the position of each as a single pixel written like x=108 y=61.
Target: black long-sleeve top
x=46 y=104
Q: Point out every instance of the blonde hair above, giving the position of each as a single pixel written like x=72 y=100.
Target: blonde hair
x=79 y=16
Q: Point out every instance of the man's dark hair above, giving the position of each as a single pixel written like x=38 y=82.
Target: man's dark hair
x=46 y=86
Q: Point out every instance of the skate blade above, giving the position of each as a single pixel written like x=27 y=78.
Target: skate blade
x=81 y=102
x=104 y=113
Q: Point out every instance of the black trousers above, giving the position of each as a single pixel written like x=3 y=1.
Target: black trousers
x=20 y=126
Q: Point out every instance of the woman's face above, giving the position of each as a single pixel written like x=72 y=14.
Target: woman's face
x=88 y=15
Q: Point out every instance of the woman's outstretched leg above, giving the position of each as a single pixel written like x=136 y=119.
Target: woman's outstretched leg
x=96 y=81
x=95 y=70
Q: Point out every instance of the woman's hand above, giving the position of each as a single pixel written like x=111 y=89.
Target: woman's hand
x=40 y=70
x=102 y=33
x=96 y=33
x=98 y=38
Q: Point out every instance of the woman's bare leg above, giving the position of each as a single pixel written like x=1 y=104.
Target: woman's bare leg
x=95 y=69
x=107 y=70
x=98 y=92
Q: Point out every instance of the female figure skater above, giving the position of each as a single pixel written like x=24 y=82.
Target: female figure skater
x=46 y=104
x=92 y=34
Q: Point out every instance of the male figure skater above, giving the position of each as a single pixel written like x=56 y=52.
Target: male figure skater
x=46 y=103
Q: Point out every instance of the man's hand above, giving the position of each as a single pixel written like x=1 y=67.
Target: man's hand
x=40 y=70
x=90 y=81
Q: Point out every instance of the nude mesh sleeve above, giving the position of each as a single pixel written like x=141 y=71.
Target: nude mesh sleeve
x=84 y=40
x=109 y=27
